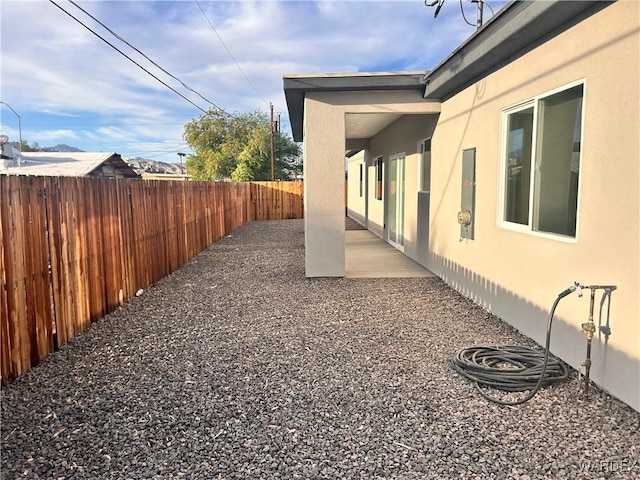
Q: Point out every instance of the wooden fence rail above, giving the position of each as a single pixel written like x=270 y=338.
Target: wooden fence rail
x=74 y=249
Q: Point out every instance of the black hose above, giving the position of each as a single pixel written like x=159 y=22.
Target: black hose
x=526 y=369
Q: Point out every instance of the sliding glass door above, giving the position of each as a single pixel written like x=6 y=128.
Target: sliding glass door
x=396 y=202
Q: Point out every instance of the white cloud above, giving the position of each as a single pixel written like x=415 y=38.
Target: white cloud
x=54 y=71
x=55 y=135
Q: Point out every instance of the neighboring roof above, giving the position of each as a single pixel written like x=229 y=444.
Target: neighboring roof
x=165 y=176
x=296 y=86
x=68 y=164
x=516 y=29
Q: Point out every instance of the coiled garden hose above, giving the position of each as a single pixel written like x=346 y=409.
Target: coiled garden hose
x=512 y=368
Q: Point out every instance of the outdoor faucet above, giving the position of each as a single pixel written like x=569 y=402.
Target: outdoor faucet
x=589 y=327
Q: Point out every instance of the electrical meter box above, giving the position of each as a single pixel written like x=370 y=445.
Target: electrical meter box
x=466 y=215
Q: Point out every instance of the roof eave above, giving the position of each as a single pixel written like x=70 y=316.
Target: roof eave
x=519 y=27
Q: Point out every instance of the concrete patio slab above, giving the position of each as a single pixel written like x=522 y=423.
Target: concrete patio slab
x=368 y=256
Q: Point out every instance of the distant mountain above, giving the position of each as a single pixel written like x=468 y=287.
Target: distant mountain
x=61 y=147
x=142 y=165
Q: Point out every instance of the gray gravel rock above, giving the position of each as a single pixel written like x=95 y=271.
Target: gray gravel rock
x=351 y=224
x=238 y=367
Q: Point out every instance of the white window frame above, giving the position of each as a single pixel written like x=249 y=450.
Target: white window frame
x=502 y=168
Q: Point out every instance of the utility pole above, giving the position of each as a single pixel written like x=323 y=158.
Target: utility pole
x=273 y=149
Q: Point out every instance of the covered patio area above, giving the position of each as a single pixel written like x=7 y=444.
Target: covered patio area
x=337 y=113
x=368 y=256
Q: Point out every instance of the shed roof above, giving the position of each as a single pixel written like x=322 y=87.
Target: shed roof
x=67 y=164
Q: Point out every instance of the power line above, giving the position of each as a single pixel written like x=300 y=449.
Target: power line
x=164 y=151
x=229 y=52
x=465 y=17
x=129 y=58
x=85 y=126
x=145 y=155
x=142 y=53
x=480 y=4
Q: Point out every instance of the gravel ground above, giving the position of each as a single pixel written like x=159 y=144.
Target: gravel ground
x=238 y=367
x=351 y=224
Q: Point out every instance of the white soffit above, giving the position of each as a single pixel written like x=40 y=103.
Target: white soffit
x=366 y=125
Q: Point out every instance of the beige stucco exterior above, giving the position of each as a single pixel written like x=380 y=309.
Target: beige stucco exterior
x=324 y=152
x=515 y=275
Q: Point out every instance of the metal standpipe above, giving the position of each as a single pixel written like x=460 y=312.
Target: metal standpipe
x=589 y=328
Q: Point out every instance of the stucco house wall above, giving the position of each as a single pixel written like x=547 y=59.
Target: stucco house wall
x=517 y=275
x=513 y=273
x=402 y=137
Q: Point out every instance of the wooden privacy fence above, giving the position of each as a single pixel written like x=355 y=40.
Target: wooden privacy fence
x=74 y=249
x=277 y=200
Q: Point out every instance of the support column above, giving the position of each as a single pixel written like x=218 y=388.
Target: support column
x=324 y=186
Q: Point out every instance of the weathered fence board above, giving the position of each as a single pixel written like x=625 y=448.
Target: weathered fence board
x=74 y=249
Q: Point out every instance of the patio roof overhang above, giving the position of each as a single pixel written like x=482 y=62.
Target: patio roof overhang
x=297 y=86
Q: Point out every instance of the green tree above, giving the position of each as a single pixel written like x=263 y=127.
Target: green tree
x=34 y=147
x=237 y=147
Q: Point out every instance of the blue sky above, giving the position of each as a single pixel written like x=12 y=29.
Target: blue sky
x=68 y=86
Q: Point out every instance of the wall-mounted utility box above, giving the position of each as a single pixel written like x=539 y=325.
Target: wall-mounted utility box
x=466 y=216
